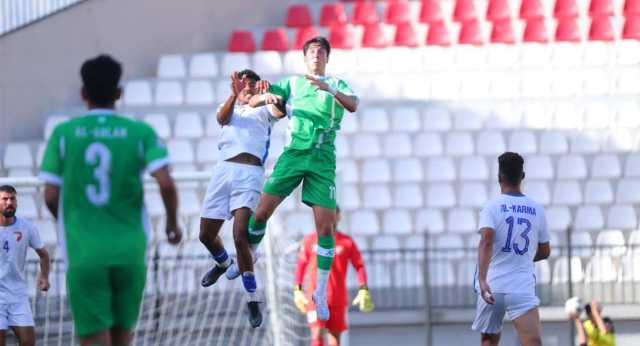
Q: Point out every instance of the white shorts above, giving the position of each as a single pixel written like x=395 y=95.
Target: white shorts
x=232 y=186
x=16 y=315
x=489 y=317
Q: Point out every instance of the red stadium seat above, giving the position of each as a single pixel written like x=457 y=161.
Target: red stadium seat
x=342 y=36
x=502 y=32
x=299 y=16
x=568 y=30
x=275 y=40
x=438 y=34
x=536 y=31
x=464 y=10
x=601 y=7
x=430 y=11
x=498 y=9
x=601 y=29
x=397 y=12
x=375 y=36
x=565 y=8
x=305 y=34
x=631 y=29
x=531 y=9
x=406 y=35
x=332 y=13
x=470 y=33
x=631 y=7
x=242 y=41
x=365 y=12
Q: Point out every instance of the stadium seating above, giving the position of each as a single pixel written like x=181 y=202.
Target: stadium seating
x=242 y=41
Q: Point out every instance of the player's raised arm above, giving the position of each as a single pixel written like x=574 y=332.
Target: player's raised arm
x=226 y=110
x=170 y=200
x=485 y=251
x=349 y=102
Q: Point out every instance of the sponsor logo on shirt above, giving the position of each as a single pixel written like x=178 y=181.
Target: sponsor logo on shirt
x=18 y=235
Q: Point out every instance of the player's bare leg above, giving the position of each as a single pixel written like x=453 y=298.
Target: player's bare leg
x=317 y=336
x=489 y=339
x=333 y=338
x=26 y=335
x=121 y=337
x=325 y=220
x=209 y=229
x=245 y=264
x=258 y=221
x=102 y=338
x=528 y=328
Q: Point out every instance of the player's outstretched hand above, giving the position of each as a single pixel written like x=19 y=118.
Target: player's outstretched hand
x=237 y=84
x=300 y=300
x=317 y=82
x=485 y=292
x=43 y=283
x=174 y=235
x=272 y=99
x=262 y=86
x=363 y=300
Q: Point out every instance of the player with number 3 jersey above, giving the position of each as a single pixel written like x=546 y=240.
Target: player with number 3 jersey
x=514 y=235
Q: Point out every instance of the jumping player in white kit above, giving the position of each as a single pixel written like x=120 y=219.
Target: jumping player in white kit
x=514 y=234
x=16 y=236
x=234 y=189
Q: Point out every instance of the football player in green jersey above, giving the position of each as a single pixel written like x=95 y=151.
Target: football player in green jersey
x=315 y=104
x=93 y=168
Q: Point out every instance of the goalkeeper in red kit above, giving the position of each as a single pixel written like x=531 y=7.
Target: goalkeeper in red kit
x=337 y=298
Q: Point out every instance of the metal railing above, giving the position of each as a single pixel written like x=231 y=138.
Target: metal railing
x=15 y=14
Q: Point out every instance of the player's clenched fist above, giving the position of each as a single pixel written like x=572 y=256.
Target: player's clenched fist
x=299 y=299
x=363 y=300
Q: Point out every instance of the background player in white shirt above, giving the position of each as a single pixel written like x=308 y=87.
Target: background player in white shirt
x=234 y=189
x=514 y=234
x=16 y=235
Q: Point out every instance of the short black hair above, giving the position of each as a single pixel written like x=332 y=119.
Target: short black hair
x=249 y=74
x=511 y=167
x=100 y=79
x=319 y=40
x=8 y=188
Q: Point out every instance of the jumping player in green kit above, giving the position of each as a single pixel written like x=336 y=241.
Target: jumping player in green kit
x=93 y=168
x=315 y=104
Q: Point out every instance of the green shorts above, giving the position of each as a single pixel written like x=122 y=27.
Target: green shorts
x=105 y=297
x=314 y=167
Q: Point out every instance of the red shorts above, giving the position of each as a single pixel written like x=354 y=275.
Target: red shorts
x=337 y=322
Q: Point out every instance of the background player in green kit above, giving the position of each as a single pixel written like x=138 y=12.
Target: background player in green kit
x=315 y=104
x=93 y=168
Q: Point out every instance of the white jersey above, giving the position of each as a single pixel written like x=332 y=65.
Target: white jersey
x=520 y=225
x=248 y=131
x=15 y=239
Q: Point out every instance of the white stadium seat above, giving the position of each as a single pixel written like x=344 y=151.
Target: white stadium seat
x=348 y=171
x=374 y=120
x=408 y=196
x=377 y=197
x=51 y=122
x=169 y=93
x=153 y=203
x=631 y=267
x=632 y=166
x=405 y=119
x=536 y=115
x=207 y=150
x=397 y=221
x=300 y=222
x=467 y=120
x=27 y=207
x=473 y=168
x=234 y=62
x=627 y=114
x=160 y=123
x=571 y=167
x=473 y=194
x=522 y=142
x=364 y=222
x=558 y=218
x=598 y=192
x=538 y=190
x=581 y=243
x=628 y=191
x=561 y=270
x=188 y=125
x=600 y=268
x=180 y=152
x=137 y=93
x=436 y=118
x=543 y=273
x=376 y=171
x=449 y=246
x=459 y=144
x=440 y=196
x=585 y=143
x=539 y=167
x=267 y=63
x=598 y=116
x=611 y=243
x=490 y=143
x=366 y=146
x=17 y=155
x=462 y=221
x=171 y=66
x=553 y=142
x=441 y=273
x=619 y=141
x=622 y=216
x=203 y=65
x=589 y=218
x=349 y=124
x=567 y=115
x=199 y=93
x=350 y=198
x=397 y=145
x=293 y=64
x=343 y=149
x=567 y=192
x=47 y=230
x=432 y=221
x=408 y=170
x=189 y=203
x=441 y=169
x=428 y=144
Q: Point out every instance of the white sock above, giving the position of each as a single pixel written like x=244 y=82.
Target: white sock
x=322 y=279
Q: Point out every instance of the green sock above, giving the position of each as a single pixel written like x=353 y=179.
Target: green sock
x=256 y=232
x=325 y=252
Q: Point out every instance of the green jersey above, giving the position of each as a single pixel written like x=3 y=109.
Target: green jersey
x=99 y=160
x=315 y=115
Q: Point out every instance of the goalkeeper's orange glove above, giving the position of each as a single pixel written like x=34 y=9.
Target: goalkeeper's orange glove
x=363 y=300
x=299 y=299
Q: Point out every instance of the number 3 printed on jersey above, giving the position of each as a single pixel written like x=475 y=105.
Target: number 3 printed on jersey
x=99 y=155
x=525 y=235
